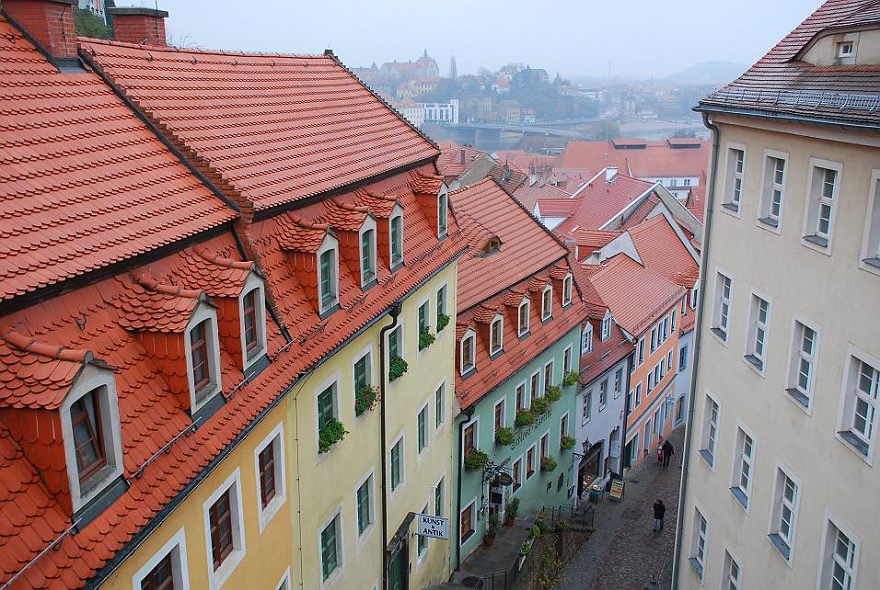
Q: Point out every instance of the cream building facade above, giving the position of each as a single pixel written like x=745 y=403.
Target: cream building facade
x=780 y=481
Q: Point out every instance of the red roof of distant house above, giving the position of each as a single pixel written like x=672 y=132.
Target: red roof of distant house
x=483 y=210
x=657 y=159
x=662 y=251
x=456 y=159
x=268 y=124
x=124 y=193
x=597 y=203
x=637 y=296
x=783 y=84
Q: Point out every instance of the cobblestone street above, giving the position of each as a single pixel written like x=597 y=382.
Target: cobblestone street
x=623 y=553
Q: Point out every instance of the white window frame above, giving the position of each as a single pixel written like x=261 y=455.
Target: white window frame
x=723 y=306
x=420 y=449
x=496 y=346
x=732 y=573
x=176 y=547
x=773 y=189
x=870 y=258
x=829 y=558
x=856 y=403
x=368 y=228
x=709 y=431
x=784 y=512
x=758 y=335
x=442 y=213
x=253 y=283
x=587 y=339
x=812 y=236
x=395 y=247
x=699 y=542
x=473 y=522
x=503 y=403
x=232 y=484
x=523 y=326
x=439 y=408
x=734 y=178
x=567 y=289
x=469 y=343
x=340 y=555
x=198 y=399
x=102 y=382
x=638 y=393
x=618 y=382
x=567 y=361
x=640 y=352
x=275 y=438
x=547 y=303
x=606 y=327
x=333 y=382
x=369 y=481
x=798 y=359
x=603 y=394
x=743 y=466
x=284 y=582
x=587 y=408
x=533 y=467
x=329 y=244
x=549 y=367
x=399 y=440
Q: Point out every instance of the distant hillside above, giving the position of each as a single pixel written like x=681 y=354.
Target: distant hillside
x=710 y=72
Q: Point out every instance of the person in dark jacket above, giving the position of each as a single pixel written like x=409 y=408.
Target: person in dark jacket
x=659 y=512
x=668 y=452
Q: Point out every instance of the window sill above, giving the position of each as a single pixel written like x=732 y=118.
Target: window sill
x=856 y=443
x=781 y=546
x=817 y=243
x=707 y=457
x=696 y=566
x=720 y=334
x=798 y=397
x=755 y=362
x=740 y=496
x=871 y=264
x=769 y=221
x=732 y=207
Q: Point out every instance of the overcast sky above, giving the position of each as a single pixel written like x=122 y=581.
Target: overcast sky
x=629 y=38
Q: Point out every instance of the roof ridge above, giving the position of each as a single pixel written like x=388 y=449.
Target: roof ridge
x=222 y=261
x=31 y=345
x=153 y=284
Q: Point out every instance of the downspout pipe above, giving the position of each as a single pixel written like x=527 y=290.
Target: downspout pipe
x=468 y=413
x=622 y=462
x=393 y=313
x=701 y=314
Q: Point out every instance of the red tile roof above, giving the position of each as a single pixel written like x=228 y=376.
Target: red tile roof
x=663 y=252
x=456 y=159
x=783 y=84
x=280 y=128
x=637 y=296
x=597 y=203
x=84 y=183
x=658 y=159
x=484 y=210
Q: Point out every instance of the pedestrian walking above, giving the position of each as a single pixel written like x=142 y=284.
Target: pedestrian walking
x=668 y=452
x=659 y=512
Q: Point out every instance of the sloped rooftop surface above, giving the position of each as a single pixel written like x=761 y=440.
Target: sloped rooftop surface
x=484 y=210
x=663 y=252
x=639 y=158
x=280 y=128
x=598 y=202
x=83 y=182
x=781 y=83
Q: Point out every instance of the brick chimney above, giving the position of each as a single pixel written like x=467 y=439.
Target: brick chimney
x=143 y=26
x=48 y=22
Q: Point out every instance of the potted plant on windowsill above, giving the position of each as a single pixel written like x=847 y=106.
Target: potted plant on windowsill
x=510 y=512
x=540 y=405
x=426 y=339
x=504 y=436
x=570 y=379
x=553 y=393
x=442 y=322
x=491 y=529
x=330 y=434
x=523 y=418
x=475 y=459
x=548 y=463
x=396 y=368
x=567 y=443
x=365 y=399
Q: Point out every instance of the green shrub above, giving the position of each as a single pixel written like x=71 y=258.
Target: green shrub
x=365 y=399
x=396 y=368
x=523 y=418
x=442 y=321
x=548 y=463
x=330 y=434
x=426 y=339
x=475 y=459
x=570 y=379
x=553 y=393
x=567 y=443
x=540 y=405
x=504 y=436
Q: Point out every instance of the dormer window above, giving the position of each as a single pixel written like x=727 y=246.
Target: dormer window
x=523 y=315
x=468 y=352
x=396 y=241
x=91 y=429
x=203 y=357
x=496 y=335
x=253 y=320
x=566 y=290
x=587 y=339
x=845 y=49
x=368 y=256
x=328 y=278
x=547 y=303
x=442 y=210
x=606 y=327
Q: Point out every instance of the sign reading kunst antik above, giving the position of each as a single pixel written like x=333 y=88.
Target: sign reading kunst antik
x=432 y=526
